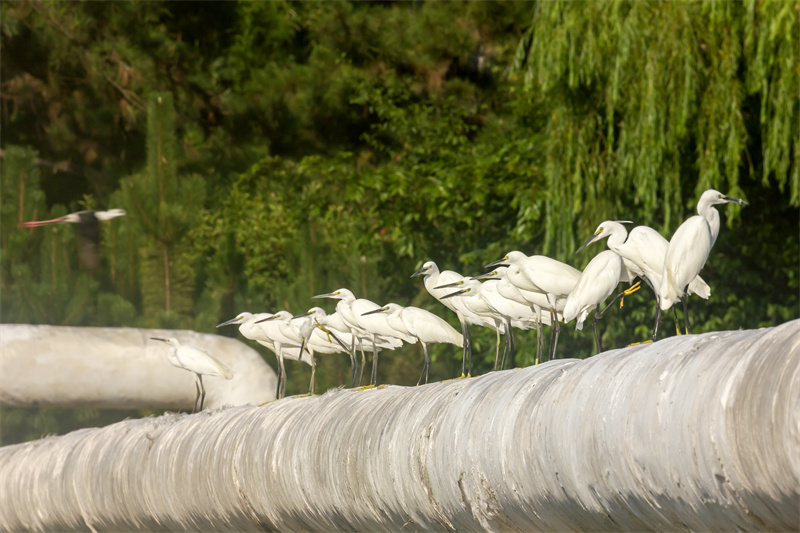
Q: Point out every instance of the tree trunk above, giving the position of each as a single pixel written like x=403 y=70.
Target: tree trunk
x=696 y=432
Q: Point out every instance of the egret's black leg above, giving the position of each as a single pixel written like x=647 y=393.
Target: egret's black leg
x=538 y=338
x=467 y=347
x=552 y=333
x=686 y=308
x=594 y=327
x=506 y=347
x=425 y=366
x=313 y=373
x=658 y=320
x=197 y=396
x=558 y=330
x=511 y=346
x=363 y=361
x=281 y=377
x=677 y=322
x=203 y=389
x=375 y=366
x=469 y=352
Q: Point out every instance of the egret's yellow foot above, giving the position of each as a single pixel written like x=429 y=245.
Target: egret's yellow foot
x=630 y=290
x=366 y=387
x=269 y=401
x=638 y=343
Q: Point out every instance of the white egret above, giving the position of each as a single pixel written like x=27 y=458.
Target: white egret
x=424 y=326
x=316 y=318
x=287 y=342
x=643 y=251
x=88 y=231
x=597 y=282
x=254 y=332
x=433 y=279
x=198 y=362
x=538 y=273
x=688 y=250
x=469 y=291
x=350 y=309
x=530 y=304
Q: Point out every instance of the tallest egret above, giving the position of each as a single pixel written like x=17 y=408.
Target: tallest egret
x=689 y=248
x=643 y=251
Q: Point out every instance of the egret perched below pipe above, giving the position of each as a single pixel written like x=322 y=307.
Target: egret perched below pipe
x=196 y=361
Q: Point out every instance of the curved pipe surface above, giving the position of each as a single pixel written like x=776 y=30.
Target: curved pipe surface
x=698 y=432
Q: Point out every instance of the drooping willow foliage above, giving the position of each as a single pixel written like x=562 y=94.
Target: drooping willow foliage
x=648 y=99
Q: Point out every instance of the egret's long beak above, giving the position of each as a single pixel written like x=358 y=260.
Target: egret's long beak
x=419 y=272
x=37 y=223
x=488 y=275
x=158 y=339
x=457 y=293
x=309 y=313
x=590 y=240
x=326 y=295
x=734 y=200
x=231 y=321
x=496 y=263
x=273 y=317
x=378 y=310
x=454 y=284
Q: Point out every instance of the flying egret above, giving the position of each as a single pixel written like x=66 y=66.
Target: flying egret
x=538 y=273
x=688 y=250
x=597 y=282
x=350 y=309
x=316 y=318
x=434 y=278
x=198 y=362
x=643 y=251
x=88 y=231
x=424 y=326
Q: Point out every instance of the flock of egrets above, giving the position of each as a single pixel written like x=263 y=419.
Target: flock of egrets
x=518 y=292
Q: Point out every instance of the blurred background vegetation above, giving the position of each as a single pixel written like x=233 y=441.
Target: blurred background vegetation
x=269 y=151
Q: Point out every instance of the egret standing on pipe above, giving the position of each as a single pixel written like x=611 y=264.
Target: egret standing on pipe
x=433 y=279
x=688 y=251
x=539 y=273
x=643 y=250
x=597 y=282
x=424 y=326
x=88 y=231
x=198 y=362
x=315 y=318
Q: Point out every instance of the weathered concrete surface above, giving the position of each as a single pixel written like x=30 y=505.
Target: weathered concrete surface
x=121 y=368
x=697 y=432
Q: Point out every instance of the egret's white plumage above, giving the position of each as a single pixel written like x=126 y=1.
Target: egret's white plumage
x=543 y=275
x=435 y=278
x=597 y=282
x=350 y=309
x=318 y=337
x=197 y=361
x=689 y=247
x=643 y=251
x=421 y=325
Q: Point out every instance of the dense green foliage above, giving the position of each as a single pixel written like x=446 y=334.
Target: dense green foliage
x=269 y=151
